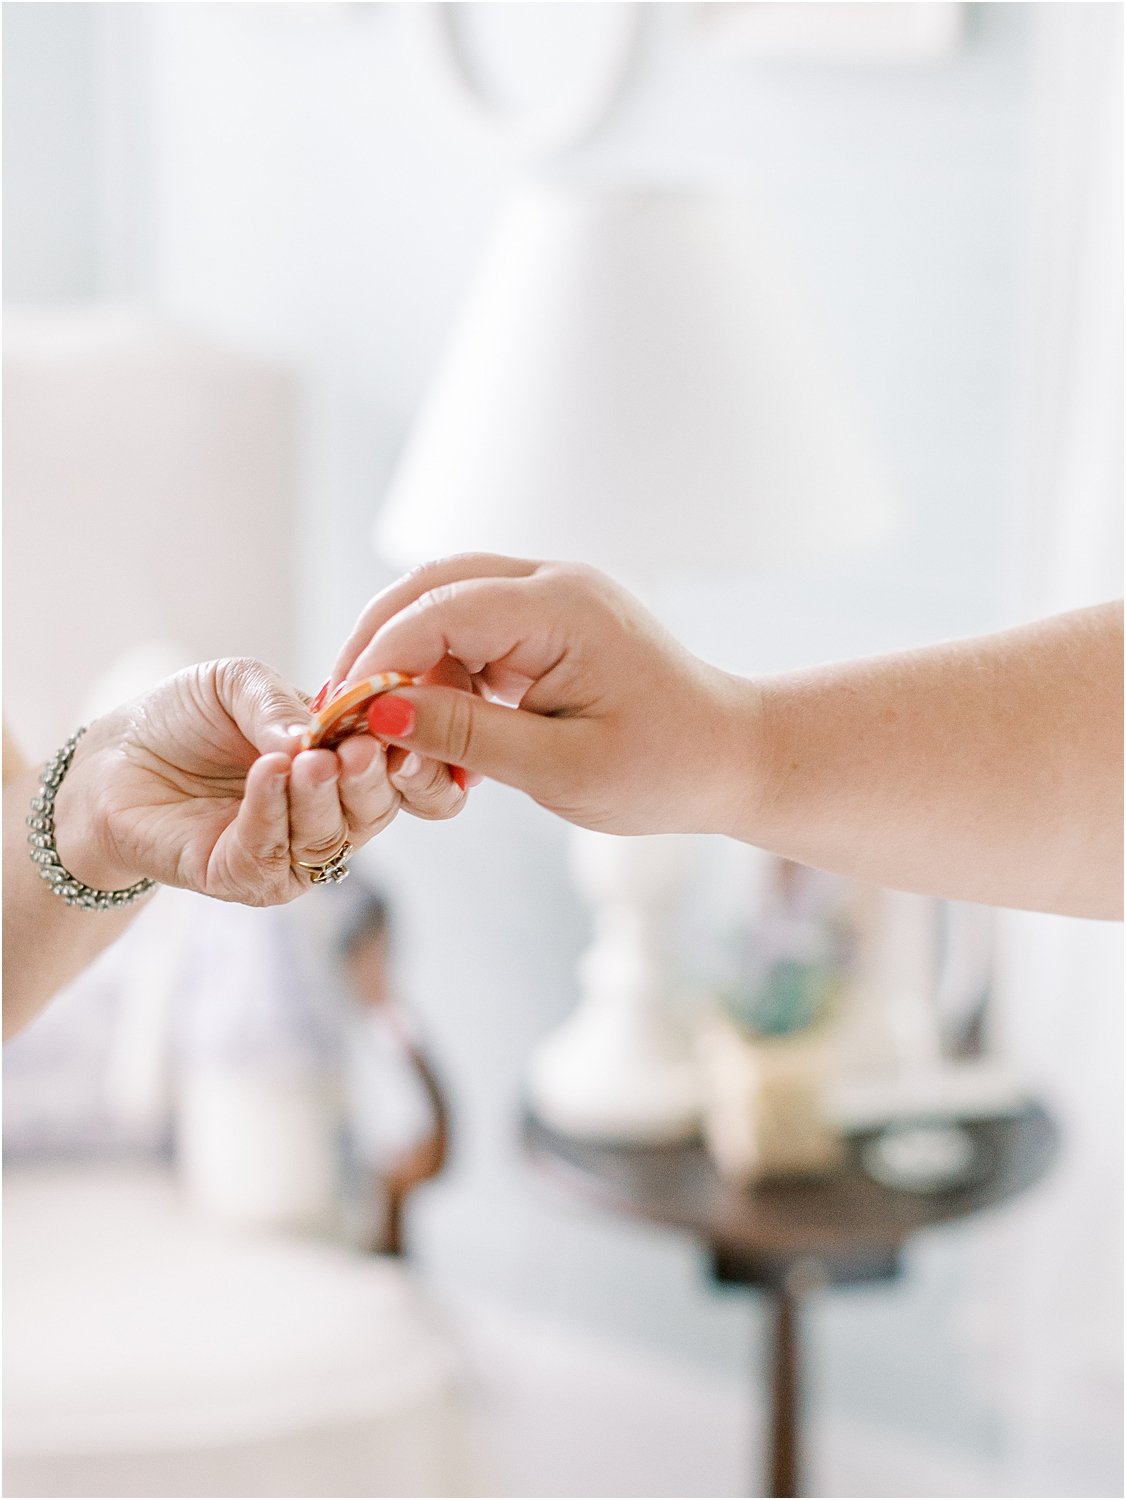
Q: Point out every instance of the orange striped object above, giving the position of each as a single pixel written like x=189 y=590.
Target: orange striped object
x=345 y=712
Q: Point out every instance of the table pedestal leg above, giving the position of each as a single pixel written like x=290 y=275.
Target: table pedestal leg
x=785 y=1395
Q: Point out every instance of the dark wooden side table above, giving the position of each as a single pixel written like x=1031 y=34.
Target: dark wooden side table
x=788 y=1239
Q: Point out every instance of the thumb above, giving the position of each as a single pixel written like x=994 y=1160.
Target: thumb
x=269 y=712
x=512 y=745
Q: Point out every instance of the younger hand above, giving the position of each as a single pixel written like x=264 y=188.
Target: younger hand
x=618 y=727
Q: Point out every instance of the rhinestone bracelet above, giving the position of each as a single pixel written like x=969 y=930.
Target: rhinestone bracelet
x=41 y=838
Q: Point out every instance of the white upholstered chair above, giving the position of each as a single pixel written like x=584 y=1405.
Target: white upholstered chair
x=149 y=1352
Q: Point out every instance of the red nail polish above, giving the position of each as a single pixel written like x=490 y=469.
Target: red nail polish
x=391 y=716
x=460 y=776
x=319 y=701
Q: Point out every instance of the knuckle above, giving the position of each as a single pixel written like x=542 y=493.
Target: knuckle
x=430 y=779
x=460 y=739
x=422 y=783
x=237 y=671
x=245 y=680
x=588 y=578
x=438 y=804
x=275 y=853
x=317 y=849
x=369 y=818
x=433 y=567
x=425 y=578
x=431 y=793
x=267 y=878
x=377 y=807
x=451 y=803
x=435 y=597
x=372 y=826
x=450 y=562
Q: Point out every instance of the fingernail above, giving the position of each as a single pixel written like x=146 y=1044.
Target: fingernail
x=391 y=716
x=459 y=775
x=318 y=701
x=300 y=737
x=411 y=766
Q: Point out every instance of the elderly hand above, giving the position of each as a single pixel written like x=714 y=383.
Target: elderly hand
x=196 y=784
x=616 y=720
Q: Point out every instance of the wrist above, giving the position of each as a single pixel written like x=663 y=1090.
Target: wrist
x=745 y=760
x=84 y=836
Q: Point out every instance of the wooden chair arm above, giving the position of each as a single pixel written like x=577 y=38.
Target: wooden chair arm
x=421 y=1162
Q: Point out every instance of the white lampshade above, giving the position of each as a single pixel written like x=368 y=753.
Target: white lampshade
x=636 y=382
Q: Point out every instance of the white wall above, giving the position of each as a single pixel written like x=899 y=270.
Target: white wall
x=305 y=197
x=149 y=488
x=51 y=206
x=310 y=200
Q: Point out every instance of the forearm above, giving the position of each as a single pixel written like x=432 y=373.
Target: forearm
x=46 y=942
x=986 y=770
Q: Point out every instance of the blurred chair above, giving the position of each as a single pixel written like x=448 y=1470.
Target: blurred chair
x=418 y=1163
x=386 y=1161
x=165 y=1337
x=150 y=1352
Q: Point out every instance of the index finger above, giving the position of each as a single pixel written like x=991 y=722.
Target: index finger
x=479 y=621
x=404 y=591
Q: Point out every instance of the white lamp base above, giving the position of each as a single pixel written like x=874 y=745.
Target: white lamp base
x=620 y=1068
x=601 y=1079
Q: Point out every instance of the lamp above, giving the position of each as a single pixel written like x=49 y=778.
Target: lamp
x=635 y=382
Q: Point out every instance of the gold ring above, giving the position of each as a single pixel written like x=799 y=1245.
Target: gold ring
x=333 y=870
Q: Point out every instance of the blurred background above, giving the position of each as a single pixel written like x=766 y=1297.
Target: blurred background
x=239 y=242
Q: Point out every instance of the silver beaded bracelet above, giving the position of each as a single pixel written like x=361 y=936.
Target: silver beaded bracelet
x=41 y=838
